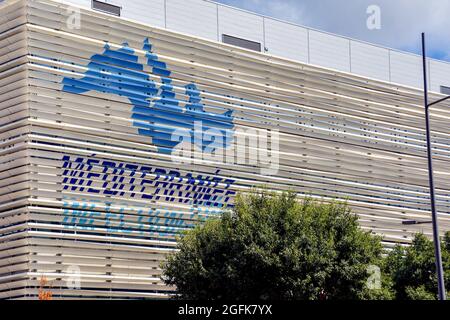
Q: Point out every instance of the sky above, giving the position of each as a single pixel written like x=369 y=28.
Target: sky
x=401 y=21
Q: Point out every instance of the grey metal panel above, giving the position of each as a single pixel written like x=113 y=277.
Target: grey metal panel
x=439 y=75
x=286 y=40
x=106 y=7
x=240 y=24
x=406 y=69
x=243 y=43
x=195 y=17
x=445 y=90
x=370 y=61
x=329 y=51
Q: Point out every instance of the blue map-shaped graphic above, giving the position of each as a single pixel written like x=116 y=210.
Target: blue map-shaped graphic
x=158 y=110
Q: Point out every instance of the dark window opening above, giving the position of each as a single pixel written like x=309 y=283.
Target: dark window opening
x=247 y=44
x=445 y=90
x=106 y=7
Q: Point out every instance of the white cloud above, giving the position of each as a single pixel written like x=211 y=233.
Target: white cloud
x=402 y=21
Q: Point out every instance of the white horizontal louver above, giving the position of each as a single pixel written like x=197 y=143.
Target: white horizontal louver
x=76 y=175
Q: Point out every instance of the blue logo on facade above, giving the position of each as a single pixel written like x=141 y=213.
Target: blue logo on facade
x=159 y=108
x=118 y=179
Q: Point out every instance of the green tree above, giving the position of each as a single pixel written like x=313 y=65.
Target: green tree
x=276 y=247
x=413 y=269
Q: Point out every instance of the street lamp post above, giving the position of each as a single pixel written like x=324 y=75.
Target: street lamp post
x=436 y=239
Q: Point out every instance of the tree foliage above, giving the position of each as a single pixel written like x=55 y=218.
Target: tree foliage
x=277 y=247
x=413 y=269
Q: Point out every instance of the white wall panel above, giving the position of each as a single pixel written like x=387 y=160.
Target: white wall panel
x=81 y=3
x=406 y=69
x=150 y=12
x=329 y=51
x=286 y=40
x=370 y=61
x=439 y=75
x=195 y=17
x=241 y=24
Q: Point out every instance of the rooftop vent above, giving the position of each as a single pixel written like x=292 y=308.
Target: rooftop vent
x=106 y=7
x=247 y=44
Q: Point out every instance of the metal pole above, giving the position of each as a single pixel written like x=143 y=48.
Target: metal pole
x=436 y=239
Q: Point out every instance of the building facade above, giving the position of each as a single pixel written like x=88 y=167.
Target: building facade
x=119 y=132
